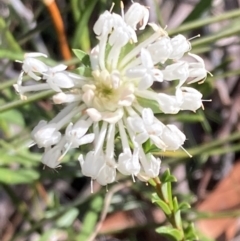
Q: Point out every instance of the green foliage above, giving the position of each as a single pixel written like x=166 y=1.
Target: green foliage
x=169 y=205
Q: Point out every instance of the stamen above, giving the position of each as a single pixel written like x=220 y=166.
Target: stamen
x=122 y=9
x=113 y=4
x=91 y=185
x=186 y=151
x=197 y=36
x=210 y=73
x=133 y=178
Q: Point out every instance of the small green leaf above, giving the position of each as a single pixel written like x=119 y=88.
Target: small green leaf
x=199 y=9
x=147 y=146
x=161 y=204
x=166 y=196
x=177 y=213
x=50 y=234
x=152 y=104
x=90 y=218
x=152 y=182
x=175 y=204
x=190 y=232
x=82 y=56
x=167 y=177
x=184 y=206
x=9 y=176
x=84 y=71
x=189 y=117
x=171 y=233
x=67 y=219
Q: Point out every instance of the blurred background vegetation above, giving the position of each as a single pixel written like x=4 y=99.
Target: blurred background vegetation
x=47 y=205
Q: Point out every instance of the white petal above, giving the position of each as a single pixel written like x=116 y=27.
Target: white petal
x=86 y=139
x=173 y=137
x=51 y=157
x=145 y=82
x=94 y=114
x=135 y=14
x=58 y=68
x=142 y=137
x=61 y=80
x=180 y=46
x=92 y=164
x=128 y=163
x=106 y=175
x=168 y=104
x=33 y=55
x=136 y=72
x=146 y=59
x=136 y=124
x=160 y=50
x=112 y=117
x=148 y=116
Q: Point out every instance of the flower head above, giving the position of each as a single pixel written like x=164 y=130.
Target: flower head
x=104 y=108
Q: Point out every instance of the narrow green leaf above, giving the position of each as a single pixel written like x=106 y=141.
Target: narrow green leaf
x=205 y=21
x=7 y=37
x=167 y=177
x=230 y=30
x=162 y=205
x=67 y=219
x=84 y=71
x=82 y=56
x=175 y=204
x=171 y=233
x=9 y=176
x=199 y=9
x=146 y=103
x=49 y=235
x=81 y=36
x=90 y=219
x=184 y=206
x=190 y=232
x=30 y=99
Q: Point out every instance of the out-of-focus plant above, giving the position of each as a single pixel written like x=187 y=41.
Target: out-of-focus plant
x=109 y=105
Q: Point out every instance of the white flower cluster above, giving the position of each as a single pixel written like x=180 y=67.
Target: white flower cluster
x=104 y=109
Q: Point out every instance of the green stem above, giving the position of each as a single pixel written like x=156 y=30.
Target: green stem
x=170 y=217
x=32 y=98
x=11 y=42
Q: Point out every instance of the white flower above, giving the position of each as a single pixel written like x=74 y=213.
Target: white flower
x=197 y=70
x=146 y=72
x=92 y=164
x=136 y=14
x=161 y=49
x=107 y=110
x=150 y=165
x=104 y=24
x=172 y=137
x=168 y=104
x=180 y=46
x=76 y=133
x=106 y=175
x=31 y=65
x=147 y=127
x=178 y=71
x=45 y=135
x=190 y=98
x=53 y=155
x=128 y=163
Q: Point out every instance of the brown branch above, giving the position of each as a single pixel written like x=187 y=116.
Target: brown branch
x=59 y=26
